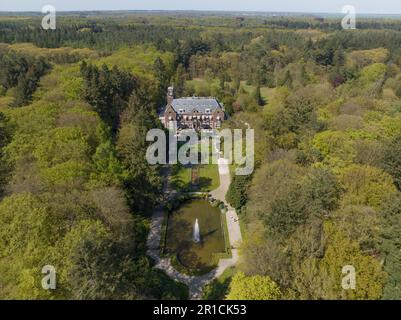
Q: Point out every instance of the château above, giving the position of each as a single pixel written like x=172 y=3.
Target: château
x=192 y=112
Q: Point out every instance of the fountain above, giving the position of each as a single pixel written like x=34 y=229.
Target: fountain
x=196 y=236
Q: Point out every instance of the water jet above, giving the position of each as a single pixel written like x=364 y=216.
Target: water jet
x=196 y=236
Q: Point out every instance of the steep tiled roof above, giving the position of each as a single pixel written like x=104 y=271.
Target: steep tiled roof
x=200 y=104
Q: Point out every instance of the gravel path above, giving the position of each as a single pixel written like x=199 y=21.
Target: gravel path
x=195 y=283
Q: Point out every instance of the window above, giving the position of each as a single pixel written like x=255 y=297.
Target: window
x=208 y=110
x=181 y=111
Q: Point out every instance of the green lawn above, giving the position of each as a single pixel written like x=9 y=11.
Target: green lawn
x=209 y=178
x=265 y=92
x=181 y=178
x=202 y=87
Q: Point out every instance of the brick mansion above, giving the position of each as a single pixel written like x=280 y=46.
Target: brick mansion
x=192 y=112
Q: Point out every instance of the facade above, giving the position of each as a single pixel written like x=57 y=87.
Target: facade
x=192 y=112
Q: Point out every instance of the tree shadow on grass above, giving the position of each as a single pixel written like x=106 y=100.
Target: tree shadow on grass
x=179 y=184
x=205 y=183
x=217 y=289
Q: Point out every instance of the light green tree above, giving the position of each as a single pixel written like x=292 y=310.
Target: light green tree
x=335 y=147
x=340 y=252
x=253 y=288
x=366 y=185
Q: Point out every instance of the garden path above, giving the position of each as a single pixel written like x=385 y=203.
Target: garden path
x=195 y=283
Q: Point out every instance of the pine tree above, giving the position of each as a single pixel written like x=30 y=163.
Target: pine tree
x=179 y=80
x=258 y=96
x=288 y=81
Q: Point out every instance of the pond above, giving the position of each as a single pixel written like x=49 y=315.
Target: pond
x=180 y=230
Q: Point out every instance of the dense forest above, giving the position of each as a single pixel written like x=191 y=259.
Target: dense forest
x=76 y=191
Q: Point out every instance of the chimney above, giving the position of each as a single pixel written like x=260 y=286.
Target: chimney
x=170 y=95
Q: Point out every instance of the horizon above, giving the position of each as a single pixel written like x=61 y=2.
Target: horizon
x=364 y=7
x=206 y=11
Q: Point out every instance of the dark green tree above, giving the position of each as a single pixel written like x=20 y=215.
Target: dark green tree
x=392 y=159
x=179 y=81
x=107 y=91
x=237 y=192
x=258 y=96
x=390 y=244
x=4 y=139
x=162 y=77
x=287 y=81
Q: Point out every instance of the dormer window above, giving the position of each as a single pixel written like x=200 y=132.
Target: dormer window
x=208 y=110
x=181 y=111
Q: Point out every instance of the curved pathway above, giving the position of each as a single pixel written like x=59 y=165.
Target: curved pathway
x=195 y=283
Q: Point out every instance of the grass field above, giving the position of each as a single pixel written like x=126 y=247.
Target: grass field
x=209 y=178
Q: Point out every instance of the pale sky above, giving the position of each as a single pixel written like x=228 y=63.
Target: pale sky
x=332 y=6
